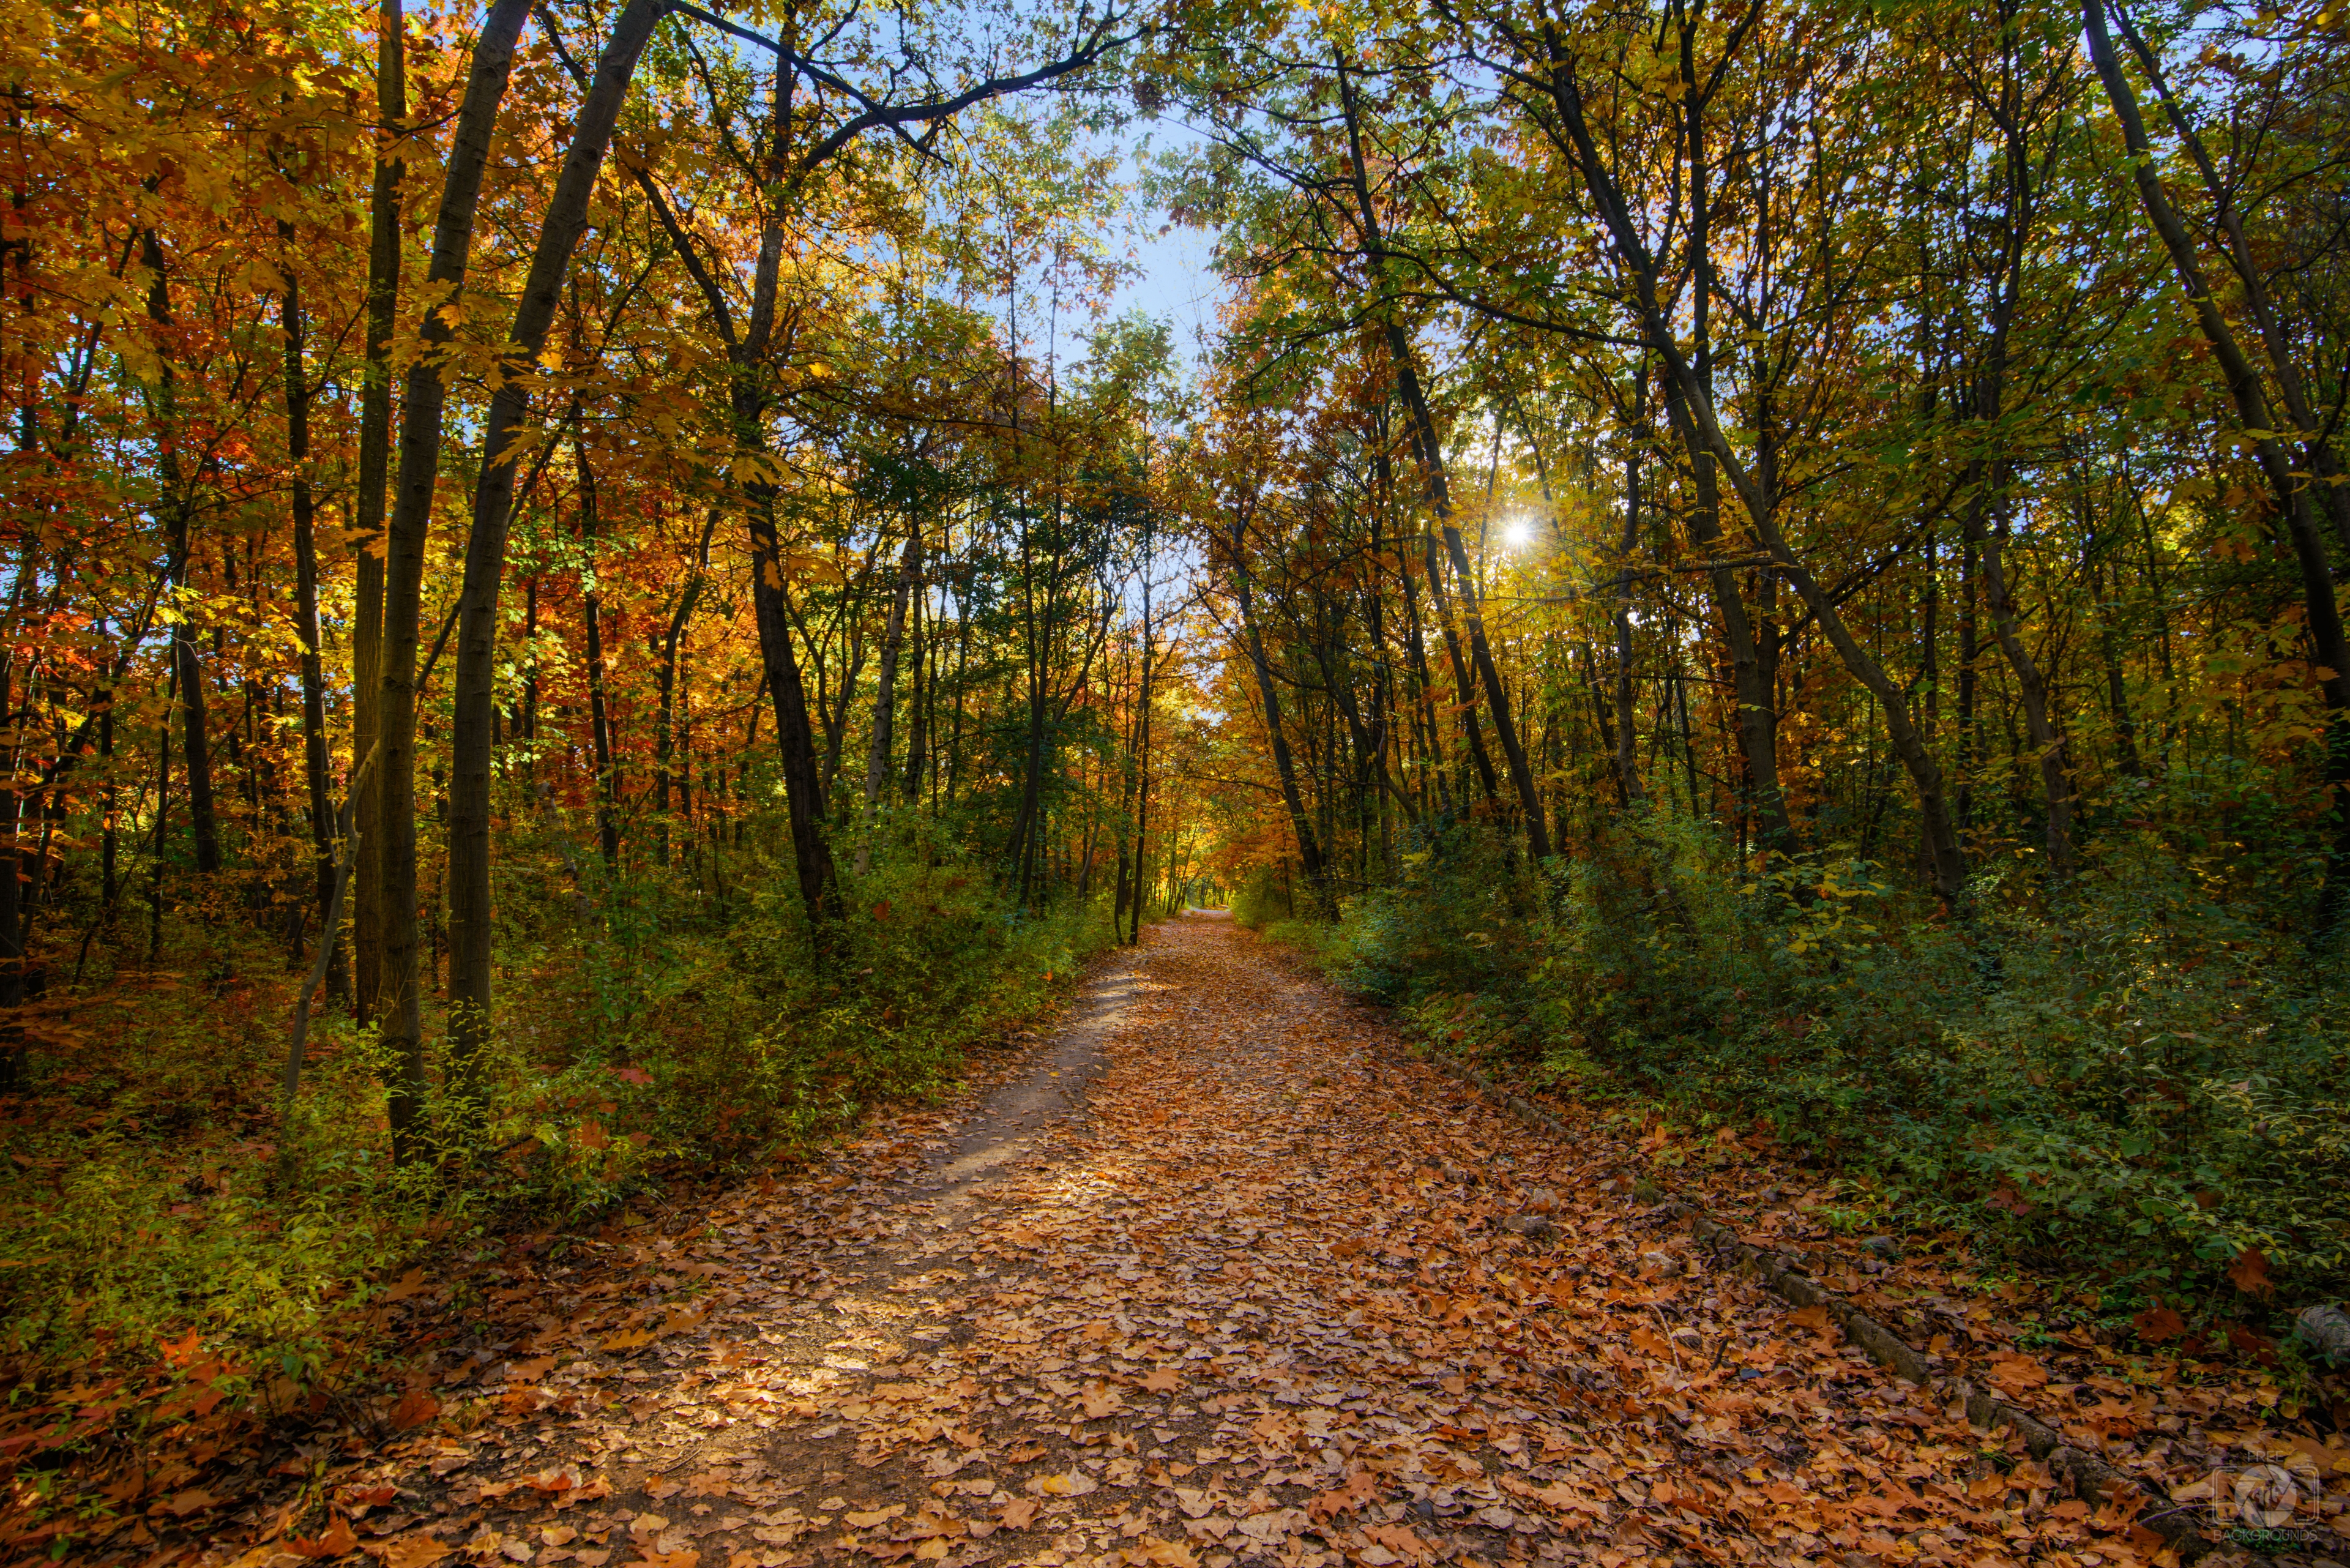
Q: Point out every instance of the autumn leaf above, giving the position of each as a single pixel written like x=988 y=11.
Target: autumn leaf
x=2018 y=1373
x=2158 y=1323
x=336 y=1540
x=414 y=1552
x=411 y=1284
x=415 y=1407
x=2249 y=1272
x=1017 y=1514
x=1162 y=1380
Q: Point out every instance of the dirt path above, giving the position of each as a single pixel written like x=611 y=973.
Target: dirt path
x=1220 y=1277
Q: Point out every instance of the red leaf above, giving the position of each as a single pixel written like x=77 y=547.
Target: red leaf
x=632 y=1075
x=2158 y=1323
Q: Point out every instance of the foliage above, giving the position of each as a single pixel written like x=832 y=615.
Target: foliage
x=158 y=1197
x=2134 y=1085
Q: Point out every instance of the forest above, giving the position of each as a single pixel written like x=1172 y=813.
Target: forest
x=595 y=589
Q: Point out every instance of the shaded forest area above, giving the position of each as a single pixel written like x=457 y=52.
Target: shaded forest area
x=593 y=590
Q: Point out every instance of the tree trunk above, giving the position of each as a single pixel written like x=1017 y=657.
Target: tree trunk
x=2293 y=496
x=1430 y=453
x=179 y=504
x=2031 y=690
x=305 y=603
x=1309 y=850
x=885 y=695
x=1950 y=869
x=401 y=1000
x=600 y=706
x=368 y=505
x=471 y=1003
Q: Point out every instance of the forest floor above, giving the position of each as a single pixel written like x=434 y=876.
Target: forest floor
x=1217 y=1273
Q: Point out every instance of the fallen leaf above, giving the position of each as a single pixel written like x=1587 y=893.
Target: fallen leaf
x=1017 y=1514
x=413 y=1552
x=415 y=1407
x=336 y=1540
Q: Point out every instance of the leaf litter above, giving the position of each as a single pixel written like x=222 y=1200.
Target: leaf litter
x=1277 y=1295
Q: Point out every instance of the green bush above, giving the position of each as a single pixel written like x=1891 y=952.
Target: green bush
x=645 y=1030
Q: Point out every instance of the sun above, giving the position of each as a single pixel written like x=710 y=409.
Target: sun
x=1517 y=532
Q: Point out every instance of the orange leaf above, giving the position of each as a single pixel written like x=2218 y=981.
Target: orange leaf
x=2249 y=1272
x=1018 y=1513
x=336 y=1541
x=2158 y=1323
x=412 y=1283
x=415 y=1407
x=414 y=1552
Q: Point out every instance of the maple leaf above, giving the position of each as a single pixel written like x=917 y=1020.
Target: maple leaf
x=411 y=1284
x=2249 y=1272
x=415 y=1407
x=1162 y=1380
x=1017 y=1514
x=336 y=1540
x=414 y=1552
x=2158 y=1323
x=1360 y=1488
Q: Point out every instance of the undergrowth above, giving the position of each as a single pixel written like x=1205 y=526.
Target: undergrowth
x=2137 y=1085
x=176 y=1237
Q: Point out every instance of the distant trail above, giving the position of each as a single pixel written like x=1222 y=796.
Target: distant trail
x=1219 y=1275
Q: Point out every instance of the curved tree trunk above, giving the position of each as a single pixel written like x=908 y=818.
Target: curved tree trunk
x=399 y=1003
x=472 y=743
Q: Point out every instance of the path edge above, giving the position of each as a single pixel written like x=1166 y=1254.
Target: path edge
x=2090 y=1474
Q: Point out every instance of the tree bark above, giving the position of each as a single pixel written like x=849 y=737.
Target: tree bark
x=1309 y=848
x=503 y=427
x=885 y=695
x=306 y=603
x=1430 y=453
x=180 y=504
x=368 y=505
x=600 y=706
x=399 y=1004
